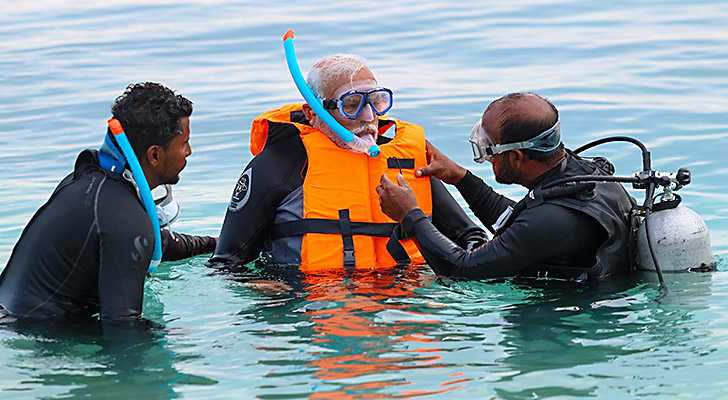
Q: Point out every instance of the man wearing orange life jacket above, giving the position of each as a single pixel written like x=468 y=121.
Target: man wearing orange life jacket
x=307 y=199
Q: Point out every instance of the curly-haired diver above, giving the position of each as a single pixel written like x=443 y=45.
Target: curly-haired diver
x=86 y=251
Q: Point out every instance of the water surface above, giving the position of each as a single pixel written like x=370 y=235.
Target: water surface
x=654 y=70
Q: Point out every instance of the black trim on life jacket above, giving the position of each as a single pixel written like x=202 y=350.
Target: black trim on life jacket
x=400 y=163
x=330 y=226
x=347 y=239
x=333 y=226
x=395 y=248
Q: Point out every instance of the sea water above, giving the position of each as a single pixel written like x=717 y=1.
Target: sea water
x=655 y=70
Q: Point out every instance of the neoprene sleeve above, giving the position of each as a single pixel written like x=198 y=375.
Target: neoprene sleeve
x=541 y=237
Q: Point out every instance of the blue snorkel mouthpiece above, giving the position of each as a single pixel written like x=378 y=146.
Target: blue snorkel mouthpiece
x=317 y=106
x=144 y=191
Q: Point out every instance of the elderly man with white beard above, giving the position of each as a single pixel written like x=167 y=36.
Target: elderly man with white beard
x=307 y=200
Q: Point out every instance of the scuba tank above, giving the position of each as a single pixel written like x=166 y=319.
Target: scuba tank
x=667 y=235
x=678 y=235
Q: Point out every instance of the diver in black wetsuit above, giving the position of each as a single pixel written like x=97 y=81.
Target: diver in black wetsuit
x=87 y=250
x=578 y=232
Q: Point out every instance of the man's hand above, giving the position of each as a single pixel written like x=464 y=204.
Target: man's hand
x=396 y=200
x=441 y=167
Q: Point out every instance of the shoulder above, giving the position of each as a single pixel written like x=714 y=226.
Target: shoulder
x=278 y=129
x=551 y=217
x=117 y=207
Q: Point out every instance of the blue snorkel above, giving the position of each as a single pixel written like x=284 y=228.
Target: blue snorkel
x=116 y=165
x=315 y=103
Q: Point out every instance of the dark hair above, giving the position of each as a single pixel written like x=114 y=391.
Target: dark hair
x=150 y=114
x=516 y=127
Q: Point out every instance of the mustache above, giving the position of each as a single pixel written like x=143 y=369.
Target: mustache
x=370 y=129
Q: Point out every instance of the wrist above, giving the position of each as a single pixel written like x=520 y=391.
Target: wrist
x=411 y=218
x=460 y=173
x=468 y=180
x=409 y=211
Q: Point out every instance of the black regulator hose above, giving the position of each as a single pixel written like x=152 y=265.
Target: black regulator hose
x=592 y=178
x=646 y=157
x=647 y=206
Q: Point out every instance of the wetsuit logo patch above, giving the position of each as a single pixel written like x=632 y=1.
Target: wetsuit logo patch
x=241 y=194
x=140 y=244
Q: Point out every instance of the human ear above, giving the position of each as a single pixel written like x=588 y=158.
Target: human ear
x=514 y=156
x=155 y=155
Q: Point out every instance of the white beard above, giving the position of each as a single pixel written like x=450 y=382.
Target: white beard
x=360 y=144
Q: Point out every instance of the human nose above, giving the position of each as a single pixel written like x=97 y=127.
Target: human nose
x=367 y=113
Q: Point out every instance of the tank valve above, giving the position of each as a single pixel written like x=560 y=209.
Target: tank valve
x=683 y=176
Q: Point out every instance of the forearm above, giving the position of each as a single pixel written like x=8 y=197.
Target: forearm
x=504 y=256
x=450 y=219
x=485 y=202
x=239 y=243
x=177 y=246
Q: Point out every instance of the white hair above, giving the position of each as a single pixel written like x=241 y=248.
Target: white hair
x=331 y=68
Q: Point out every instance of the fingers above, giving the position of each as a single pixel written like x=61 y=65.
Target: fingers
x=428 y=151
x=425 y=171
x=385 y=182
x=431 y=150
x=402 y=181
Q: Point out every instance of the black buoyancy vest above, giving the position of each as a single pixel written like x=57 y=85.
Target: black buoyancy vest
x=608 y=203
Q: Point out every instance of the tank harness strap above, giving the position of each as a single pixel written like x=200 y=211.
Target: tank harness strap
x=346 y=237
x=667 y=204
x=538 y=196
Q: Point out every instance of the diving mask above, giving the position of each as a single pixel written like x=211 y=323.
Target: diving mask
x=484 y=149
x=168 y=209
x=351 y=103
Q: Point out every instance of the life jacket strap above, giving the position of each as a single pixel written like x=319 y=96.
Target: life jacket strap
x=395 y=248
x=346 y=237
x=346 y=228
x=330 y=226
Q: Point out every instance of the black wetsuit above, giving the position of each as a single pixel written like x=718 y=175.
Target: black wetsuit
x=571 y=237
x=87 y=250
x=269 y=189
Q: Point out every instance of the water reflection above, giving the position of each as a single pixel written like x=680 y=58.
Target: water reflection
x=560 y=340
x=655 y=70
x=88 y=358
x=359 y=333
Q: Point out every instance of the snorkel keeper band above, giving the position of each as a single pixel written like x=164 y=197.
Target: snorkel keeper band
x=315 y=103
x=144 y=192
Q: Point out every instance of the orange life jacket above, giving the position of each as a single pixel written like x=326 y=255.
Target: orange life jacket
x=340 y=202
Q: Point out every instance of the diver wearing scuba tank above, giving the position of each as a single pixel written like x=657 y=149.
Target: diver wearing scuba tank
x=576 y=232
x=87 y=250
x=566 y=236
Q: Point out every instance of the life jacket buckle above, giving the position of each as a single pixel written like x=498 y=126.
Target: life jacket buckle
x=349 y=259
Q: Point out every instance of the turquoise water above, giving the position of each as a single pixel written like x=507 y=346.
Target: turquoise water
x=654 y=70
